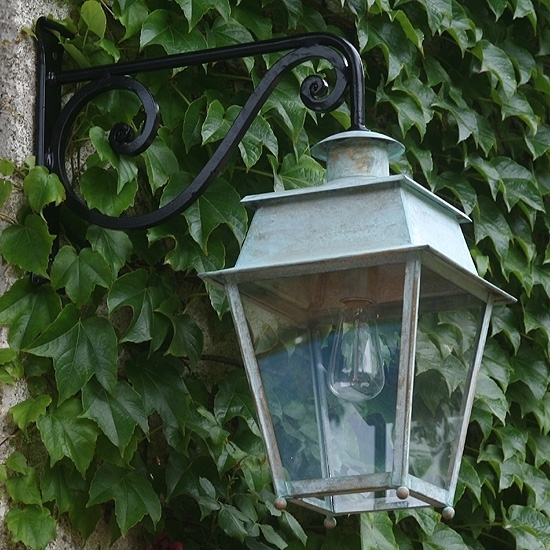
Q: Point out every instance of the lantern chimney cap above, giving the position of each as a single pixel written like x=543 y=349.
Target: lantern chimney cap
x=321 y=149
x=357 y=153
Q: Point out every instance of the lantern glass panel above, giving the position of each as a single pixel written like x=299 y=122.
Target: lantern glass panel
x=448 y=326
x=306 y=326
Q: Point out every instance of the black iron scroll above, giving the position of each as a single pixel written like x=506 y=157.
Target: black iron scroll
x=54 y=122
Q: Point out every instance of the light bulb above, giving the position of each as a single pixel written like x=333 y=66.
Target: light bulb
x=356 y=369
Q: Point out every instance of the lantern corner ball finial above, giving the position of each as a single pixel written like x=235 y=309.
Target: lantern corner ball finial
x=448 y=513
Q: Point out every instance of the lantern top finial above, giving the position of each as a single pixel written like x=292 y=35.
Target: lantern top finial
x=357 y=153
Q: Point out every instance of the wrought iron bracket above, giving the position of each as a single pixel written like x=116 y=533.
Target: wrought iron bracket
x=54 y=121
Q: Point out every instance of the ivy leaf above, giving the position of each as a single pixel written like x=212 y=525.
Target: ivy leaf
x=538 y=485
x=391 y=39
x=181 y=479
x=80 y=273
x=417 y=102
x=115 y=246
x=29 y=245
x=160 y=384
x=540 y=447
x=131 y=16
x=489 y=393
x=469 y=477
x=427 y=518
x=172 y=33
x=79 y=349
x=31 y=525
x=234 y=399
x=29 y=309
x=272 y=536
x=93 y=16
x=489 y=173
x=439 y=14
x=443 y=538
x=292 y=525
x=459 y=186
x=108 y=46
x=285 y=103
x=187 y=253
x=513 y=441
x=131 y=491
x=65 y=433
x=461 y=28
x=518 y=105
x=6 y=188
x=504 y=321
x=416 y=36
x=409 y=112
x=539 y=143
x=496 y=364
x=254 y=20
x=377 y=532
x=100 y=189
x=530 y=528
x=17 y=462
x=518 y=184
x=160 y=163
x=193 y=122
x=533 y=370
x=489 y=222
x=294 y=10
x=450 y=99
x=496 y=62
x=29 y=411
x=126 y=167
x=133 y=290
x=293 y=174
x=61 y=484
x=43 y=188
x=195 y=10
x=7 y=167
x=215 y=125
x=116 y=415
x=220 y=204
x=232 y=521
x=227 y=32
x=498 y=7
x=259 y=135
x=187 y=340
x=24 y=488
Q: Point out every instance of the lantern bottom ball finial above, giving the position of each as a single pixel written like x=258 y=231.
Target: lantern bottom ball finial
x=280 y=503
x=402 y=493
x=448 y=513
x=330 y=522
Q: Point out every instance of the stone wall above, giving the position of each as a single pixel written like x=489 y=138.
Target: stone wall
x=17 y=107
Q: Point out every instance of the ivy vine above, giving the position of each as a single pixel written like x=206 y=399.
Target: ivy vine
x=112 y=343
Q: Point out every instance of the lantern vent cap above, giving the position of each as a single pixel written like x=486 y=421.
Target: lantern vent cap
x=357 y=153
x=395 y=148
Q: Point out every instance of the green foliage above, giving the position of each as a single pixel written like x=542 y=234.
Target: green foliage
x=110 y=342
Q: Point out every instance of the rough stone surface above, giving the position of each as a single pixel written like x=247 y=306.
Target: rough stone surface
x=17 y=108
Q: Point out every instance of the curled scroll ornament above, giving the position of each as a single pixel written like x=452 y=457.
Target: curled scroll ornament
x=314 y=93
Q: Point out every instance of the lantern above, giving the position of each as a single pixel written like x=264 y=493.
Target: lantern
x=362 y=322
